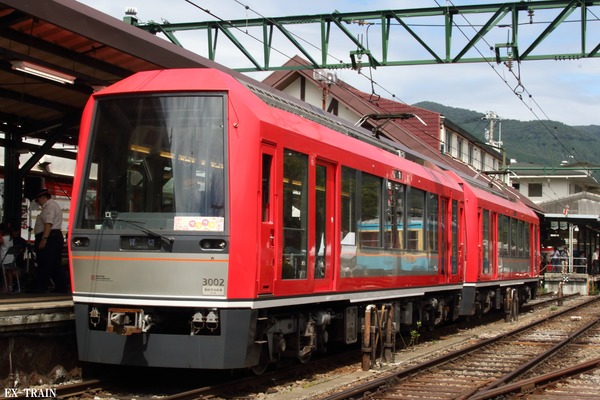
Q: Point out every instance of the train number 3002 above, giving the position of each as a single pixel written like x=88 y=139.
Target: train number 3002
x=213 y=282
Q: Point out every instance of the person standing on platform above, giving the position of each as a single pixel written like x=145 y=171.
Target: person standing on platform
x=49 y=244
x=7 y=259
x=555 y=260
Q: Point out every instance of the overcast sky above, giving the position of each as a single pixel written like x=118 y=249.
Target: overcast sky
x=565 y=91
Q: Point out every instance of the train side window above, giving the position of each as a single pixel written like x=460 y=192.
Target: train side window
x=295 y=215
x=519 y=248
x=526 y=238
x=370 y=211
x=432 y=227
x=503 y=234
x=514 y=250
x=394 y=230
x=416 y=215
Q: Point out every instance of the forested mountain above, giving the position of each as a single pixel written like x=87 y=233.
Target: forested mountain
x=547 y=143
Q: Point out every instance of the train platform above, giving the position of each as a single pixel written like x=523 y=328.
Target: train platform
x=37 y=338
x=28 y=311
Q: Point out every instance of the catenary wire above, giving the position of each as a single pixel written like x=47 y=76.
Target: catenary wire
x=514 y=90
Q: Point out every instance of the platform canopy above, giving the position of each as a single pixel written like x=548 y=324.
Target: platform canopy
x=64 y=39
x=53 y=55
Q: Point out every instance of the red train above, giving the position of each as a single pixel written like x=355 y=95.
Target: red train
x=217 y=224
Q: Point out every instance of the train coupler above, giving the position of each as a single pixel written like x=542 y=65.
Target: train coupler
x=126 y=321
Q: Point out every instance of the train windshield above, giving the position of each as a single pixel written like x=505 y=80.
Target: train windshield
x=158 y=162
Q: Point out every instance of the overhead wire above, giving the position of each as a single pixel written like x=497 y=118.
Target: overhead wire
x=241 y=30
x=247 y=7
x=372 y=82
x=514 y=90
x=518 y=90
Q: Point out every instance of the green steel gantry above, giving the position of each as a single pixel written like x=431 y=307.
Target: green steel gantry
x=509 y=32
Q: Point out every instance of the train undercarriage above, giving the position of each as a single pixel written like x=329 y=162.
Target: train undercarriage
x=232 y=339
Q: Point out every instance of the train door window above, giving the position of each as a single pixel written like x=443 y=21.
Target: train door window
x=444 y=244
x=295 y=215
x=370 y=211
x=432 y=227
x=394 y=227
x=454 y=237
x=348 y=222
x=485 y=236
x=416 y=214
x=320 y=221
x=266 y=246
x=267 y=162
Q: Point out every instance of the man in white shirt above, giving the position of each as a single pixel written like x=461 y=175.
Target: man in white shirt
x=49 y=242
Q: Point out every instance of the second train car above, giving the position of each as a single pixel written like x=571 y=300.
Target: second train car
x=217 y=225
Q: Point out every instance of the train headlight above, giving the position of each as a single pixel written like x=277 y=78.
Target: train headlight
x=94 y=316
x=205 y=322
x=212 y=320
x=213 y=244
x=197 y=323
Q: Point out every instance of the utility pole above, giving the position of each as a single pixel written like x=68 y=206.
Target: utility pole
x=489 y=136
x=327 y=79
x=489 y=133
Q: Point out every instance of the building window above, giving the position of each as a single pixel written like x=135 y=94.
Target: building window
x=449 y=142
x=535 y=190
x=470 y=154
x=459 y=152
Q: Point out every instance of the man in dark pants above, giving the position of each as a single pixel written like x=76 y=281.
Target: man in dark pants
x=49 y=244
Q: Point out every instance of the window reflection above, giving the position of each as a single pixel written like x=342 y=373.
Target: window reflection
x=158 y=160
x=295 y=213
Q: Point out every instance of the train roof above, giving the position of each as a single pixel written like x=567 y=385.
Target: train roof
x=510 y=204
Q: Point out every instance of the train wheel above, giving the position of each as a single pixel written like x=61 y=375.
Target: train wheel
x=259 y=369
x=304 y=358
x=263 y=361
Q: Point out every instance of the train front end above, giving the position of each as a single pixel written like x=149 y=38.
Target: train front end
x=149 y=241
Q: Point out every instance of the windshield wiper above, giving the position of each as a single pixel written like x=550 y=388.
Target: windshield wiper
x=166 y=240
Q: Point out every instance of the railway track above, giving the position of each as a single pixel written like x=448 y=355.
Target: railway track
x=246 y=387
x=580 y=381
x=475 y=371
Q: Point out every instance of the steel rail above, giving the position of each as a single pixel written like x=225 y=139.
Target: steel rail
x=482 y=393
x=389 y=379
x=529 y=385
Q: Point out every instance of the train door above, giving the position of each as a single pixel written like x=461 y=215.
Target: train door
x=457 y=245
x=444 y=270
x=324 y=198
x=266 y=272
